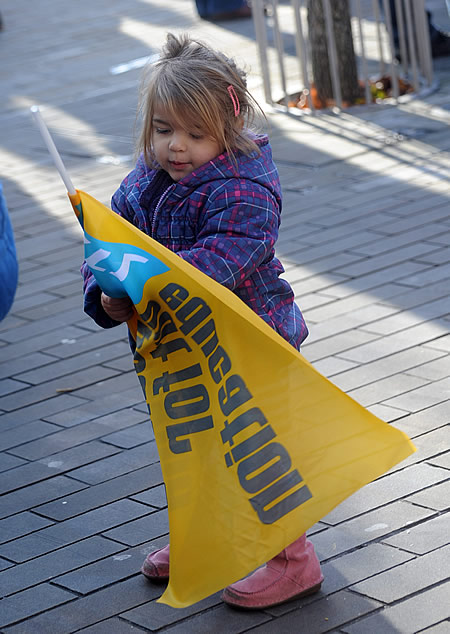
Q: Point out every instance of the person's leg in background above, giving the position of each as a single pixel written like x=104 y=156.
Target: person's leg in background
x=440 y=41
x=223 y=9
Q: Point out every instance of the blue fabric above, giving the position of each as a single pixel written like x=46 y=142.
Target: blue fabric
x=223 y=218
x=210 y=8
x=8 y=259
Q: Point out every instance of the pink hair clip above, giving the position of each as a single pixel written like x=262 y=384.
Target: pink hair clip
x=234 y=99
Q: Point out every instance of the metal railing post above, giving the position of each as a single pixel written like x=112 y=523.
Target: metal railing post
x=332 y=54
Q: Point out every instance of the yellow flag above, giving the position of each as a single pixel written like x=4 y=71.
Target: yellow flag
x=256 y=446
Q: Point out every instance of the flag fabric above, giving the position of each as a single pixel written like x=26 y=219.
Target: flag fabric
x=255 y=445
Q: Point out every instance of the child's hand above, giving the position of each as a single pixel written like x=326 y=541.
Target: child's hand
x=118 y=308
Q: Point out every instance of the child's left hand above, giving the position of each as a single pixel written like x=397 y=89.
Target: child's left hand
x=118 y=308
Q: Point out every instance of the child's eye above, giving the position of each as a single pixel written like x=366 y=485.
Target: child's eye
x=196 y=136
x=161 y=130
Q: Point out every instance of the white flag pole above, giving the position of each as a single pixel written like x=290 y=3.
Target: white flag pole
x=52 y=149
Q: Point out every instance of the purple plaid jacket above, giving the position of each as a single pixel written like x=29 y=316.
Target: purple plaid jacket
x=223 y=219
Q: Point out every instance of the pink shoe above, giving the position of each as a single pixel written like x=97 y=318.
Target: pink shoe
x=294 y=573
x=156 y=565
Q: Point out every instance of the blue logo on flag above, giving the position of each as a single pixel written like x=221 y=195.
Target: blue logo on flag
x=121 y=269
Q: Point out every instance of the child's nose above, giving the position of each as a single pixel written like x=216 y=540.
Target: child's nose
x=177 y=143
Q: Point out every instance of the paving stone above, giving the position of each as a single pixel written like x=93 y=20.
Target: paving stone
x=387 y=489
x=21 y=524
x=325 y=615
x=48 y=407
x=393 y=390
x=410 y=338
x=398 y=272
x=428 y=445
x=155 y=616
x=388 y=414
x=213 y=620
x=10 y=386
x=118 y=410
x=386 y=260
x=442 y=343
x=365 y=563
x=409 y=299
x=89 y=610
x=118 y=567
x=36 y=429
x=78 y=456
x=439 y=628
x=123 y=363
x=341 y=344
x=104 y=493
x=29 y=602
x=427 y=420
x=155 y=497
x=434 y=497
x=408 y=578
x=17 y=366
x=131 y=437
x=431 y=275
x=434 y=370
x=73 y=383
x=408 y=617
x=422 y=396
x=5 y=564
x=118 y=382
x=405 y=319
x=357 y=318
x=51 y=325
x=24 y=475
x=317 y=231
x=141 y=530
x=54 y=306
x=442 y=461
x=72 y=530
x=39 y=493
x=434 y=212
x=118 y=465
x=424 y=537
x=374 y=525
x=75 y=556
x=108 y=626
x=376 y=247
x=73 y=364
x=343 y=306
x=72 y=437
x=88 y=341
x=9 y=462
x=324 y=265
x=439 y=256
x=331 y=366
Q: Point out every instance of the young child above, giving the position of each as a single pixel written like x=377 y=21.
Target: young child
x=207 y=188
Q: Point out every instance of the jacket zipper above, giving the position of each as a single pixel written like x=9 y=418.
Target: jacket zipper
x=155 y=213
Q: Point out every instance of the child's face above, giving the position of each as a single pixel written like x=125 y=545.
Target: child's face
x=180 y=151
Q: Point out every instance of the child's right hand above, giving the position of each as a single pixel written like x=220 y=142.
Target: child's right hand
x=118 y=308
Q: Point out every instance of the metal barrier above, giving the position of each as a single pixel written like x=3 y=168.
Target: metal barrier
x=286 y=68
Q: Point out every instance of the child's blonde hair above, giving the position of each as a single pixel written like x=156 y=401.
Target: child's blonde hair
x=192 y=83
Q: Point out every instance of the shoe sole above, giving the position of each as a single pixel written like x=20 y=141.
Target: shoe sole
x=300 y=595
x=155 y=579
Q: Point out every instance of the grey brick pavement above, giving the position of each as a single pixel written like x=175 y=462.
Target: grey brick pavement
x=365 y=240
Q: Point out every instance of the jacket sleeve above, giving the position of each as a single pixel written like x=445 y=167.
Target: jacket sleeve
x=238 y=230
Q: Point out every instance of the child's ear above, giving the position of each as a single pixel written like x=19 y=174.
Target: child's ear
x=239 y=123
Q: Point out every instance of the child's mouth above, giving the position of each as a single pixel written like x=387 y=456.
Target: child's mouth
x=178 y=165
